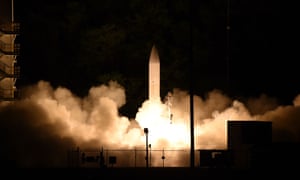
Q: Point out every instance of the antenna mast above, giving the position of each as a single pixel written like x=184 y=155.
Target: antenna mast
x=12 y=11
x=228 y=45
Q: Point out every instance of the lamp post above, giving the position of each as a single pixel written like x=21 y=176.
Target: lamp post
x=150 y=155
x=146 y=133
x=192 y=148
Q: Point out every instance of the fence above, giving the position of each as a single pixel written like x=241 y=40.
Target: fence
x=128 y=158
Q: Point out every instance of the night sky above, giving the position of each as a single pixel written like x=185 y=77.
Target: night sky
x=70 y=50
x=79 y=44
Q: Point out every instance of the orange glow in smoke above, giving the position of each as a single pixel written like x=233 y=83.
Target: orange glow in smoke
x=162 y=131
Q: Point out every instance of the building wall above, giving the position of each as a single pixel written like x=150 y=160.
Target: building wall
x=249 y=142
x=214 y=158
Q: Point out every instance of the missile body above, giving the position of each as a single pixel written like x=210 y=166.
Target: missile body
x=154 y=75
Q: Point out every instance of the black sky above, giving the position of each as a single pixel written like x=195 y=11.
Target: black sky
x=78 y=44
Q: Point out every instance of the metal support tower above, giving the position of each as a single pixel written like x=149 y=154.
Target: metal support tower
x=9 y=51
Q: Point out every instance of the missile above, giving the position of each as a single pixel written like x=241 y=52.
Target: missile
x=154 y=75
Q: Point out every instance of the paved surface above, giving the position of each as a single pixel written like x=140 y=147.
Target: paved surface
x=146 y=173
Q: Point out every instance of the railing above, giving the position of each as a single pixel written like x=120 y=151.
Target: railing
x=13 y=49
x=7 y=70
x=10 y=28
x=128 y=158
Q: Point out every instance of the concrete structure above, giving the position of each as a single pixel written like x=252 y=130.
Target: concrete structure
x=9 y=50
x=217 y=158
x=249 y=143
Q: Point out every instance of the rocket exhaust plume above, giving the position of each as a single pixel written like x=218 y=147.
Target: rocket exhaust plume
x=154 y=75
x=38 y=129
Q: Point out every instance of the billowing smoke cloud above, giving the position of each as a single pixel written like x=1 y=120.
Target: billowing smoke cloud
x=29 y=138
x=39 y=129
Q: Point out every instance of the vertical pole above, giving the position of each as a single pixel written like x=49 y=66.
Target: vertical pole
x=12 y=11
x=150 y=156
x=163 y=157
x=228 y=45
x=192 y=153
x=146 y=133
x=77 y=157
x=135 y=157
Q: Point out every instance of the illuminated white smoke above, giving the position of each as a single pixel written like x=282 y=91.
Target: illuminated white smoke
x=51 y=120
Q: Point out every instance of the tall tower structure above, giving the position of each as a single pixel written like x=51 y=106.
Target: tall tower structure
x=9 y=51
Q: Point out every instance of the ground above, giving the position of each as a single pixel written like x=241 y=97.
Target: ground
x=150 y=173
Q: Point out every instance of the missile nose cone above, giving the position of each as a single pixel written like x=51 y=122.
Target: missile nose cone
x=154 y=55
x=154 y=75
